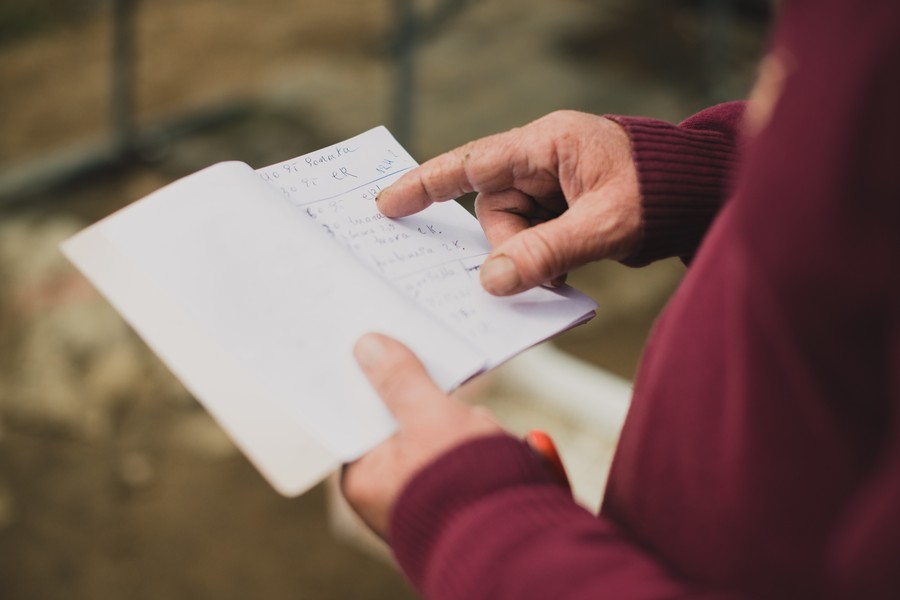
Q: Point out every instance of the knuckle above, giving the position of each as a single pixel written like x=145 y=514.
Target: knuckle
x=352 y=486
x=360 y=481
x=443 y=180
x=482 y=206
x=544 y=259
x=429 y=181
x=562 y=118
x=392 y=382
x=397 y=380
x=553 y=116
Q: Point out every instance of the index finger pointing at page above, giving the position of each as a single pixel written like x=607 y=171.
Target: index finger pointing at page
x=439 y=179
x=485 y=165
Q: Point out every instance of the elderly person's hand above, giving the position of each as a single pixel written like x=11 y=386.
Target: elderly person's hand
x=553 y=195
x=430 y=423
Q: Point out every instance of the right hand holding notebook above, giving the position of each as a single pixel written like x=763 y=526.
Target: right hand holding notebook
x=555 y=194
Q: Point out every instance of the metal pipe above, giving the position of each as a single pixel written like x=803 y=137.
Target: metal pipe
x=122 y=99
x=403 y=48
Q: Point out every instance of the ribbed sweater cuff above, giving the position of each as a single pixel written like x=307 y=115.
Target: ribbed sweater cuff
x=684 y=176
x=449 y=485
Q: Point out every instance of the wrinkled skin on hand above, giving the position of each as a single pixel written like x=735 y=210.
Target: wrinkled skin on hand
x=555 y=194
x=558 y=193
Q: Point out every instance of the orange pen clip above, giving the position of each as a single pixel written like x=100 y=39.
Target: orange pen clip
x=542 y=445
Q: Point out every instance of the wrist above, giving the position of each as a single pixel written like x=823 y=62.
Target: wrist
x=454 y=482
x=683 y=177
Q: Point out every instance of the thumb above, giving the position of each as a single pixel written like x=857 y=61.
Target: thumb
x=602 y=223
x=396 y=374
x=536 y=255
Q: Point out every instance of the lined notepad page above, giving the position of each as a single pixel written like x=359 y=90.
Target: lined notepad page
x=433 y=256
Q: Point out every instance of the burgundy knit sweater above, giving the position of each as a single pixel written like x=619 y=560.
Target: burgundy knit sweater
x=761 y=454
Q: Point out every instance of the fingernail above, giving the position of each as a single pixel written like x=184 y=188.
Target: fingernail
x=369 y=350
x=557 y=281
x=500 y=276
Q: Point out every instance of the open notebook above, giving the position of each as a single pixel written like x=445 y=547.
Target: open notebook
x=253 y=286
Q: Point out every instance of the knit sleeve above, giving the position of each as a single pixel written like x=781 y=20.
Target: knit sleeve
x=685 y=174
x=489 y=521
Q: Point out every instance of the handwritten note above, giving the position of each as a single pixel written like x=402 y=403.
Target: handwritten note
x=433 y=257
x=253 y=286
x=249 y=271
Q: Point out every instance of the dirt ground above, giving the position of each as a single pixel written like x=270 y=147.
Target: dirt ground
x=114 y=483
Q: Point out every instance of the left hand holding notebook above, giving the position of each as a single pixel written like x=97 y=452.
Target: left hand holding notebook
x=429 y=423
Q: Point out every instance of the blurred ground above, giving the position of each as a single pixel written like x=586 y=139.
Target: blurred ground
x=113 y=482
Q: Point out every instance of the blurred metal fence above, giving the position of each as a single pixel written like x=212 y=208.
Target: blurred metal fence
x=127 y=144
